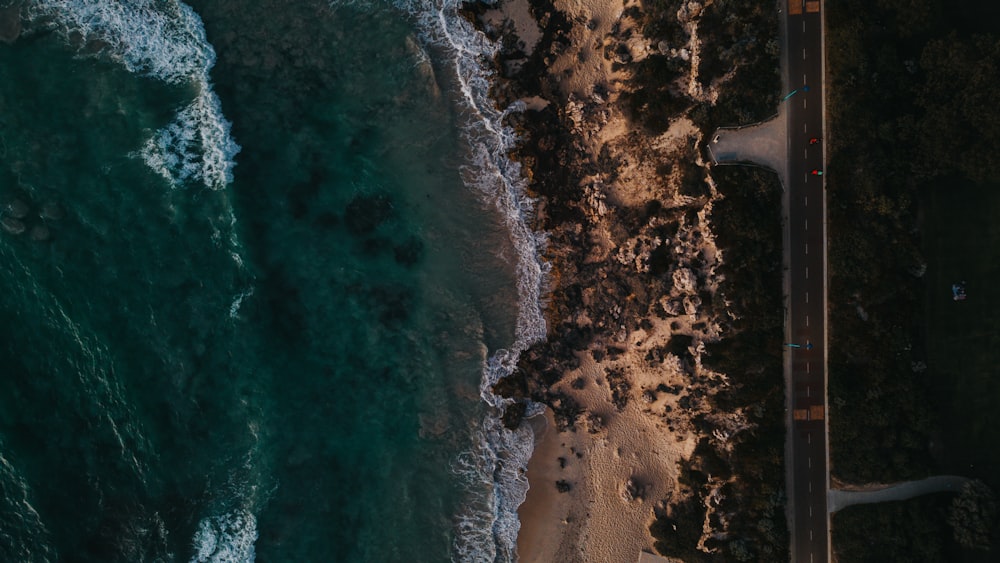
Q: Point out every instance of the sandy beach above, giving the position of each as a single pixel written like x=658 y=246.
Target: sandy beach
x=618 y=470
x=635 y=284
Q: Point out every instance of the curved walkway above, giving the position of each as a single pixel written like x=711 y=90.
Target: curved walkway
x=764 y=144
x=840 y=498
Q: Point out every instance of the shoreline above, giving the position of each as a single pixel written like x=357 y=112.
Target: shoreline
x=620 y=370
x=544 y=512
x=635 y=433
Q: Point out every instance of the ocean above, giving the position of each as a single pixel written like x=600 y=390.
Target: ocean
x=260 y=263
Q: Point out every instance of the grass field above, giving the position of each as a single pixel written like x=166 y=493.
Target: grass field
x=962 y=243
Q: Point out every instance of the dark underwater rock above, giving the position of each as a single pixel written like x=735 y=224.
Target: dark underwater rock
x=51 y=211
x=12 y=225
x=366 y=212
x=409 y=252
x=10 y=23
x=40 y=233
x=17 y=209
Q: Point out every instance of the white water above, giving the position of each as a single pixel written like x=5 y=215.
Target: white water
x=196 y=146
x=227 y=538
x=494 y=467
x=166 y=40
x=31 y=532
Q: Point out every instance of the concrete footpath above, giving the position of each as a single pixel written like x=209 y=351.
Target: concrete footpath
x=839 y=498
x=764 y=144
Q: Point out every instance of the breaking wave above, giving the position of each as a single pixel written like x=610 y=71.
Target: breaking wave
x=493 y=469
x=228 y=538
x=164 y=39
x=195 y=147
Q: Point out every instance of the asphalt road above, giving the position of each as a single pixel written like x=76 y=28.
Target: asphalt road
x=807 y=288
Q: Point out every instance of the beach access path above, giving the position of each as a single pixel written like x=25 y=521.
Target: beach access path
x=762 y=144
x=842 y=498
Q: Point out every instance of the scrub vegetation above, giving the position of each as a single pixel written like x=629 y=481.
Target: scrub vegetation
x=738 y=54
x=912 y=140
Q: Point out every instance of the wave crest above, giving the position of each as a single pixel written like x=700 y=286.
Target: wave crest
x=195 y=147
x=164 y=39
x=494 y=468
x=228 y=538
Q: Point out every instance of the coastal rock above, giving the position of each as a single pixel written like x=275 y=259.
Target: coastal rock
x=10 y=23
x=17 y=209
x=12 y=225
x=40 y=233
x=423 y=67
x=366 y=212
x=51 y=211
x=513 y=414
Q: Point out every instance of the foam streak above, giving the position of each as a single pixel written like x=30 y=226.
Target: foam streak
x=495 y=466
x=165 y=40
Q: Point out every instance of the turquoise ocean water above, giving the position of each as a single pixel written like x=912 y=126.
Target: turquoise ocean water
x=259 y=262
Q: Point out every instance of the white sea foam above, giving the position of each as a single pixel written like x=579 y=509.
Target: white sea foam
x=494 y=467
x=164 y=39
x=234 y=308
x=227 y=538
x=30 y=540
x=196 y=146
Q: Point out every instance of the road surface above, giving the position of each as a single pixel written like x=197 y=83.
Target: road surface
x=807 y=283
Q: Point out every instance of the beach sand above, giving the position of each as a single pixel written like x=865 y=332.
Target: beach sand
x=596 y=488
x=621 y=467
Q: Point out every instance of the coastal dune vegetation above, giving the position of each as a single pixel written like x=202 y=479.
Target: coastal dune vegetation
x=636 y=246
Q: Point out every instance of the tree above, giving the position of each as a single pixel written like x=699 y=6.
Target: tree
x=973 y=515
x=961 y=130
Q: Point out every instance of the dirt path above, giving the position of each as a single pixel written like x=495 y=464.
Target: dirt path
x=840 y=498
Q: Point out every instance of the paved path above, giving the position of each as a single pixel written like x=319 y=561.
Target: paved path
x=840 y=498
x=761 y=143
x=808 y=461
